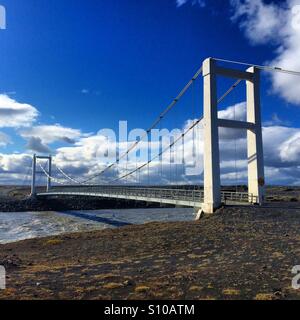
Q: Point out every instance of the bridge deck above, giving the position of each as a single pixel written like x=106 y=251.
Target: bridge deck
x=179 y=197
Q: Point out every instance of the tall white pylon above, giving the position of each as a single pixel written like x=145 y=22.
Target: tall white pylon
x=256 y=176
x=212 y=184
x=35 y=158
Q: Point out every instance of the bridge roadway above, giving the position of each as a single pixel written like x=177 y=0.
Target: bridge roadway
x=177 y=197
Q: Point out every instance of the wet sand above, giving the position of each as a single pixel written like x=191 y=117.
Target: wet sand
x=238 y=253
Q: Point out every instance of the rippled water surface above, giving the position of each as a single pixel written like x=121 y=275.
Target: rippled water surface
x=26 y=225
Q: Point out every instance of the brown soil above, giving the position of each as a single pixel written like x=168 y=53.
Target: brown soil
x=238 y=253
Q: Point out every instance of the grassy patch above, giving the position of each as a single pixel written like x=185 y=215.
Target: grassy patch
x=105 y=276
x=53 y=242
x=113 y=285
x=277 y=255
x=195 y=288
x=264 y=296
x=231 y=292
x=141 y=289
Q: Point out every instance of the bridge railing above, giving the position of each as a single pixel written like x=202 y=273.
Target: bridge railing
x=193 y=196
x=238 y=197
x=156 y=193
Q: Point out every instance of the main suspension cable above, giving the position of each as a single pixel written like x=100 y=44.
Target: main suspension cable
x=155 y=123
x=50 y=177
x=67 y=176
x=181 y=137
x=266 y=68
x=161 y=153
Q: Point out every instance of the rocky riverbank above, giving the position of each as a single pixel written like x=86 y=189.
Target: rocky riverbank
x=238 y=253
x=68 y=203
x=16 y=199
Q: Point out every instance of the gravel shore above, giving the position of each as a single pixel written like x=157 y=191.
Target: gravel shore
x=238 y=253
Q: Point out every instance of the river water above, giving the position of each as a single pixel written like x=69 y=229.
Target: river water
x=27 y=225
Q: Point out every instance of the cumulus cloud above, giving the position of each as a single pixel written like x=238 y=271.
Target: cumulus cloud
x=14 y=168
x=36 y=144
x=21 y=117
x=14 y=163
x=46 y=134
x=15 y=114
x=263 y=21
x=290 y=149
x=273 y=23
x=235 y=112
x=282 y=159
x=86 y=148
x=83 y=158
x=86 y=157
x=89 y=155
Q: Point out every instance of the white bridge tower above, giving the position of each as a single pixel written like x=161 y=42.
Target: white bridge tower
x=212 y=180
x=35 y=158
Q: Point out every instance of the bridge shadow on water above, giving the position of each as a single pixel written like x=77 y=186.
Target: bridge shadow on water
x=95 y=218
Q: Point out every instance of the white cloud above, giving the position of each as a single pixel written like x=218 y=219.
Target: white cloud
x=21 y=117
x=235 y=112
x=272 y=23
x=83 y=159
x=51 y=133
x=201 y=3
x=36 y=144
x=276 y=121
x=14 y=168
x=86 y=148
x=4 y=139
x=263 y=22
x=15 y=163
x=290 y=149
x=15 y=114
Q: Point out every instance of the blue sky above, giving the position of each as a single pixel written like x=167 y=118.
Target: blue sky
x=85 y=65
x=132 y=55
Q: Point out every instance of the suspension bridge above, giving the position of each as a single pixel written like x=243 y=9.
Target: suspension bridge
x=211 y=196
